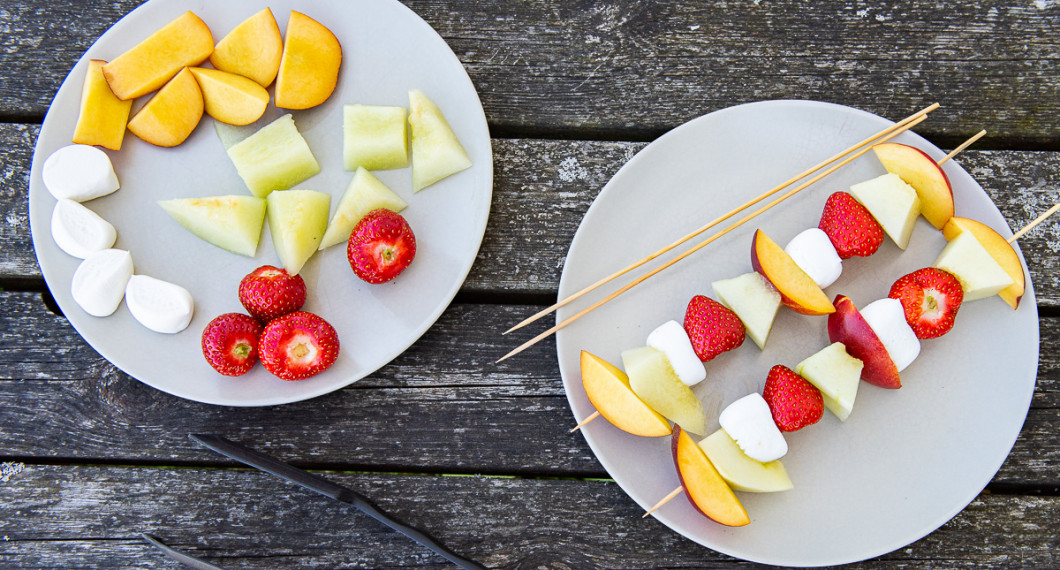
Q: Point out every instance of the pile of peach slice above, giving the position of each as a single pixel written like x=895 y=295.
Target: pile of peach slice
x=975 y=254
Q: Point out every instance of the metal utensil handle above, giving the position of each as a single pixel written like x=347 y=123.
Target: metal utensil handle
x=258 y=460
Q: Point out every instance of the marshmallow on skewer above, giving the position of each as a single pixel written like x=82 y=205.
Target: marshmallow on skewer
x=749 y=422
x=98 y=285
x=161 y=306
x=79 y=172
x=80 y=231
x=671 y=339
x=887 y=319
x=814 y=253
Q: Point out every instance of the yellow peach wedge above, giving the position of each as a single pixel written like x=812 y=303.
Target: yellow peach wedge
x=608 y=390
x=231 y=98
x=171 y=115
x=309 y=68
x=999 y=249
x=151 y=63
x=103 y=116
x=252 y=49
x=704 y=486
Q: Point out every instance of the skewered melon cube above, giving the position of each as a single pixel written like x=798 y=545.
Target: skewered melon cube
x=375 y=137
x=653 y=380
x=436 y=152
x=297 y=221
x=364 y=194
x=229 y=222
x=274 y=158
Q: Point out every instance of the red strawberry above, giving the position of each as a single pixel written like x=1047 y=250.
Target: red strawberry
x=298 y=345
x=930 y=298
x=269 y=292
x=850 y=226
x=230 y=343
x=712 y=327
x=381 y=246
x=795 y=402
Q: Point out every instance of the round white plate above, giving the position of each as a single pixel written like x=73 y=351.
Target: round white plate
x=905 y=461
x=386 y=51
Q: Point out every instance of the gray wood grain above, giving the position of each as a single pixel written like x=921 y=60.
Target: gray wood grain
x=542 y=188
x=62 y=401
x=638 y=68
x=74 y=516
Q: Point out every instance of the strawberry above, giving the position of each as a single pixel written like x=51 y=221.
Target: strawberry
x=298 y=345
x=230 y=343
x=930 y=298
x=850 y=227
x=712 y=327
x=381 y=246
x=269 y=292
x=794 y=402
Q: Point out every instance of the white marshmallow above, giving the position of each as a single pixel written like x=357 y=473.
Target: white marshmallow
x=80 y=231
x=887 y=319
x=671 y=339
x=99 y=282
x=749 y=422
x=79 y=172
x=161 y=306
x=814 y=253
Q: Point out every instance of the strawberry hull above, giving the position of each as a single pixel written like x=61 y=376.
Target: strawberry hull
x=846 y=325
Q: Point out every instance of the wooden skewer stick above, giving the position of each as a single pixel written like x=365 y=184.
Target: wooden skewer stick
x=1033 y=223
x=949 y=156
x=704 y=243
x=664 y=500
x=871 y=140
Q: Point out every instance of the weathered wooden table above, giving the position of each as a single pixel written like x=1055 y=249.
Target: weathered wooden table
x=478 y=453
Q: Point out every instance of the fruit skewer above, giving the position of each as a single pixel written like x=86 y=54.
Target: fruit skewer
x=940 y=162
x=864 y=146
x=943 y=327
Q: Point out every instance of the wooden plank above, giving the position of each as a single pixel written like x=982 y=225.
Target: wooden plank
x=86 y=516
x=635 y=68
x=543 y=188
x=62 y=401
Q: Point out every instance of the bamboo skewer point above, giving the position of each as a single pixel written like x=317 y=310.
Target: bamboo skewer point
x=664 y=500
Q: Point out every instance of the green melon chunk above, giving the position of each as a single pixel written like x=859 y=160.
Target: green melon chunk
x=374 y=137
x=364 y=194
x=436 y=152
x=274 y=158
x=297 y=220
x=653 y=379
x=230 y=222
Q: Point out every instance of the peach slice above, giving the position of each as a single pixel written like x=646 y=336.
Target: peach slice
x=309 y=68
x=608 y=390
x=797 y=289
x=103 y=116
x=252 y=49
x=704 y=486
x=999 y=248
x=172 y=114
x=231 y=98
x=847 y=326
x=922 y=173
x=151 y=63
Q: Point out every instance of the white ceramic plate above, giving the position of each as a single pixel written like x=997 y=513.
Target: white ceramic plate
x=906 y=461
x=387 y=50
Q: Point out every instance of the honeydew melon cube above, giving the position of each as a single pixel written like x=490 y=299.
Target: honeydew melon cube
x=893 y=203
x=374 y=137
x=836 y=374
x=364 y=194
x=229 y=222
x=653 y=380
x=297 y=221
x=740 y=471
x=754 y=299
x=436 y=152
x=276 y=157
x=979 y=273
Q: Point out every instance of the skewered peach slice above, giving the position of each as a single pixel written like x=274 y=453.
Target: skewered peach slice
x=998 y=248
x=150 y=64
x=252 y=49
x=704 y=486
x=608 y=390
x=921 y=172
x=309 y=67
x=797 y=289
